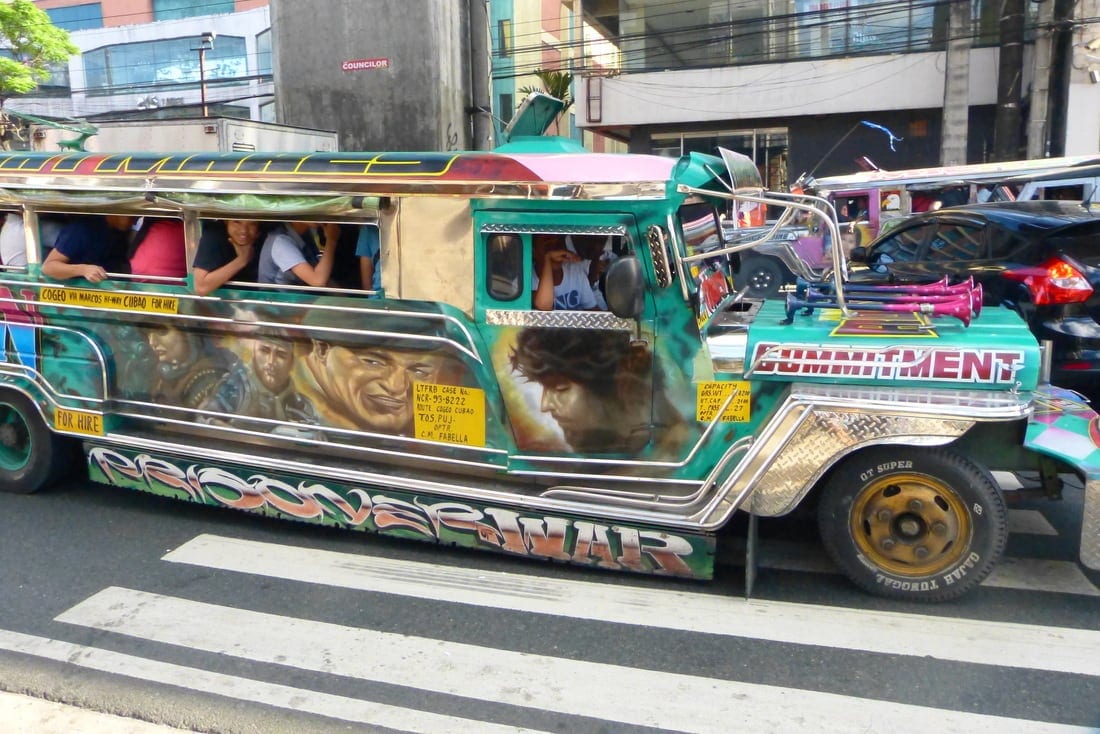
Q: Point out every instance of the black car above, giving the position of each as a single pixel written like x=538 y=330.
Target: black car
x=1040 y=258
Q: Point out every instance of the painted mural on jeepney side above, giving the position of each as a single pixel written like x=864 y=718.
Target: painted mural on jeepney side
x=339 y=364
x=589 y=391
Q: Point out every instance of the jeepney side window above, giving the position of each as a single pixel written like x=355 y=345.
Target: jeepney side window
x=504 y=266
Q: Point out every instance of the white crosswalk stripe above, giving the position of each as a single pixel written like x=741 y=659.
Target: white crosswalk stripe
x=564 y=688
x=963 y=640
x=243 y=689
x=608 y=692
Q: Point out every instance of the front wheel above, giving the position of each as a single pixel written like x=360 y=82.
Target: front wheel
x=30 y=454
x=915 y=524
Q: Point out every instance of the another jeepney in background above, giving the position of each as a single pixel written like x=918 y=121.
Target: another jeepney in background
x=870 y=202
x=445 y=407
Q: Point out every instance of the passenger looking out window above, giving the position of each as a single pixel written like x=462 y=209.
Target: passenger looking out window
x=226 y=252
x=562 y=279
x=290 y=257
x=158 y=249
x=90 y=247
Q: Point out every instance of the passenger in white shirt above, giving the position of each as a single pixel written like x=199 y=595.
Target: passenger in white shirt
x=561 y=279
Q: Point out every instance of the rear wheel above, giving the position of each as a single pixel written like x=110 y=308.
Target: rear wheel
x=762 y=275
x=914 y=524
x=30 y=455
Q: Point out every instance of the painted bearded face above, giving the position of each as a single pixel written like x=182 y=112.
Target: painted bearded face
x=583 y=416
x=272 y=362
x=373 y=386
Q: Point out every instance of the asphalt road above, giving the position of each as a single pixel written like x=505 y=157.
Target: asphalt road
x=212 y=620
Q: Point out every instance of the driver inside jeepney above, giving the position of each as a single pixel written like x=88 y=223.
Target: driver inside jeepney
x=566 y=274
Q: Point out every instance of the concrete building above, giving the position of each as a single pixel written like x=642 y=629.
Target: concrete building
x=159 y=58
x=790 y=81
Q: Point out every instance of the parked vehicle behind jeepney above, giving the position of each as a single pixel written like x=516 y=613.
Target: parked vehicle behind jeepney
x=1039 y=258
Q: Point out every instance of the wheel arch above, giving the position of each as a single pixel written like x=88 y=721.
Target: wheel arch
x=819 y=427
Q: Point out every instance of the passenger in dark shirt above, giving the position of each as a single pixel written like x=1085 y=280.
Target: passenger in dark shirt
x=90 y=247
x=226 y=252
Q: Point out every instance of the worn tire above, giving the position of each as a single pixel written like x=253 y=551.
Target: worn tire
x=764 y=276
x=919 y=524
x=31 y=455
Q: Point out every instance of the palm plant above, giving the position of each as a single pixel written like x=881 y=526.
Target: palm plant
x=557 y=84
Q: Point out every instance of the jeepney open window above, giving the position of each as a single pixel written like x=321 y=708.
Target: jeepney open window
x=504 y=266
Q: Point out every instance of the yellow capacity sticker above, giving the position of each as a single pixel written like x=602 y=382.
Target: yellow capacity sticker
x=449 y=413
x=709 y=397
x=78 y=421
x=109 y=299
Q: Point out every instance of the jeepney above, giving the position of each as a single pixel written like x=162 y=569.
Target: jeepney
x=444 y=407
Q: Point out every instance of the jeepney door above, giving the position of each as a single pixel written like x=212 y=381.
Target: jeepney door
x=584 y=390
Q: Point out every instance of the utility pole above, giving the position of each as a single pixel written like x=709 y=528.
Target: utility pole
x=1008 y=121
x=480 y=84
x=1037 y=130
x=206 y=43
x=956 y=86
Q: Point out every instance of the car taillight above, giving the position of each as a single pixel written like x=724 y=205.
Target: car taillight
x=1052 y=282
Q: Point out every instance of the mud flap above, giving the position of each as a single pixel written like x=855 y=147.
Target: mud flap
x=1063 y=426
x=1090 y=524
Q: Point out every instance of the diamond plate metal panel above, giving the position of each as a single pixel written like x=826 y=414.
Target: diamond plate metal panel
x=823 y=436
x=597 y=320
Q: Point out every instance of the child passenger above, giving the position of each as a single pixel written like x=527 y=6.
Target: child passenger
x=561 y=279
x=226 y=252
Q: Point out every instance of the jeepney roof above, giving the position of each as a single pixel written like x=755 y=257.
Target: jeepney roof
x=524 y=172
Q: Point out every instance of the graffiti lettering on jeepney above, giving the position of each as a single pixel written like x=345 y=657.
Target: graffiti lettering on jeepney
x=975 y=366
x=449 y=413
x=608 y=546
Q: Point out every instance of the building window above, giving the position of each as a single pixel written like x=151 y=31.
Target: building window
x=767 y=147
x=507 y=108
x=175 y=9
x=504 y=38
x=157 y=64
x=263 y=52
x=77 y=17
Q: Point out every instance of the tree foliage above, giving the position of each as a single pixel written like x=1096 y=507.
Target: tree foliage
x=555 y=83
x=34 y=43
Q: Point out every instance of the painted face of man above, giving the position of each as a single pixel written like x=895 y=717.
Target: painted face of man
x=272 y=362
x=373 y=385
x=583 y=416
x=170 y=346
